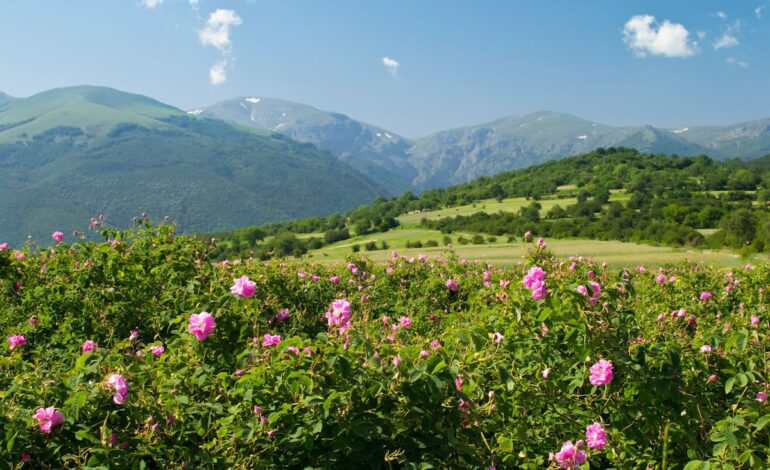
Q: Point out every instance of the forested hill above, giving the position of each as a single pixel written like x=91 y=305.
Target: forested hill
x=607 y=194
x=69 y=154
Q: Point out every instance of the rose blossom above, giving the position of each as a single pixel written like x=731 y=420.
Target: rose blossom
x=48 y=418
x=596 y=437
x=601 y=373
x=201 y=325
x=119 y=387
x=243 y=287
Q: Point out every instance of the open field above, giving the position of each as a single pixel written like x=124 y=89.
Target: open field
x=616 y=254
x=492 y=206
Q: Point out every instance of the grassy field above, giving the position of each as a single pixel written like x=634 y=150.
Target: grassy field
x=492 y=206
x=615 y=254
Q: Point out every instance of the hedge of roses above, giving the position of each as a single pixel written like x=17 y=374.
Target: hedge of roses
x=141 y=353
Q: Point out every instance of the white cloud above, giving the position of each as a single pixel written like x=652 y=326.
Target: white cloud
x=218 y=73
x=216 y=33
x=720 y=14
x=194 y=3
x=391 y=65
x=217 y=30
x=701 y=34
x=758 y=11
x=645 y=37
x=151 y=3
x=740 y=63
x=727 y=40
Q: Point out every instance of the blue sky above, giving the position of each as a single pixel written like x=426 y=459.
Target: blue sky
x=458 y=62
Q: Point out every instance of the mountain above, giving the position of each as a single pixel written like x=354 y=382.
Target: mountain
x=69 y=154
x=374 y=151
x=5 y=99
x=745 y=140
x=460 y=155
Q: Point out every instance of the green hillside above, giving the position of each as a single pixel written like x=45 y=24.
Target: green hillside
x=692 y=203
x=83 y=151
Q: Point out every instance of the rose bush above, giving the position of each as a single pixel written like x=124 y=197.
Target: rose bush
x=426 y=363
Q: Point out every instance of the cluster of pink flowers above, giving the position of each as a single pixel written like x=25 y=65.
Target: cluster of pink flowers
x=534 y=280
x=572 y=455
x=338 y=315
x=119 y=388
x=601 y=373
x=452 y=285
x=57 y=237
x=15 y=341
x=243 y=287
x=704 y=296
x=157 y=351
x=48 y=418
x=201 y=325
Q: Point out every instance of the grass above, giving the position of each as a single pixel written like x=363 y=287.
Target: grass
x=492 y=206
x=616 y=254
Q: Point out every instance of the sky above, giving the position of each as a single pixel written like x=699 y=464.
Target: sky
x=413 y=67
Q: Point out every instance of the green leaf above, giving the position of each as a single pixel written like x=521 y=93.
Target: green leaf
x=697 y=465
x=729 y=384
x=762 y=422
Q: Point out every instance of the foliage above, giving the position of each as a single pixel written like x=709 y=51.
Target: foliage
x=425 y=377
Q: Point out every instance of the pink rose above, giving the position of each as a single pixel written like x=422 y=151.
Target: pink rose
x=244 y=287
x=270 y=340
x=570 y=456
x=157 y=351
x=201 y=325
x=119 y=387
x=338 y=315
x=16 y=340
x=48 y=418
x=596 y=437
x=601 y=373
x=89 y=346
x=452 y=285
x=57 y=237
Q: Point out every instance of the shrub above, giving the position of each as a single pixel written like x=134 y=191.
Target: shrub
x=426 y=364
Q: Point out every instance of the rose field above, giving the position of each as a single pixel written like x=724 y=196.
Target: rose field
x=139 y=352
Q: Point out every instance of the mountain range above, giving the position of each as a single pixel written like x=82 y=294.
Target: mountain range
x=71 y=153
x=460 y=155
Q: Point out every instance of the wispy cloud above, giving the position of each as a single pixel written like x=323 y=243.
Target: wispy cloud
x=151 y=3
x=645 y=37
x=720 y=14
x=758 y=11
x=728 y=38
x=216 y=33
x=740 y=63
x=391 y=65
